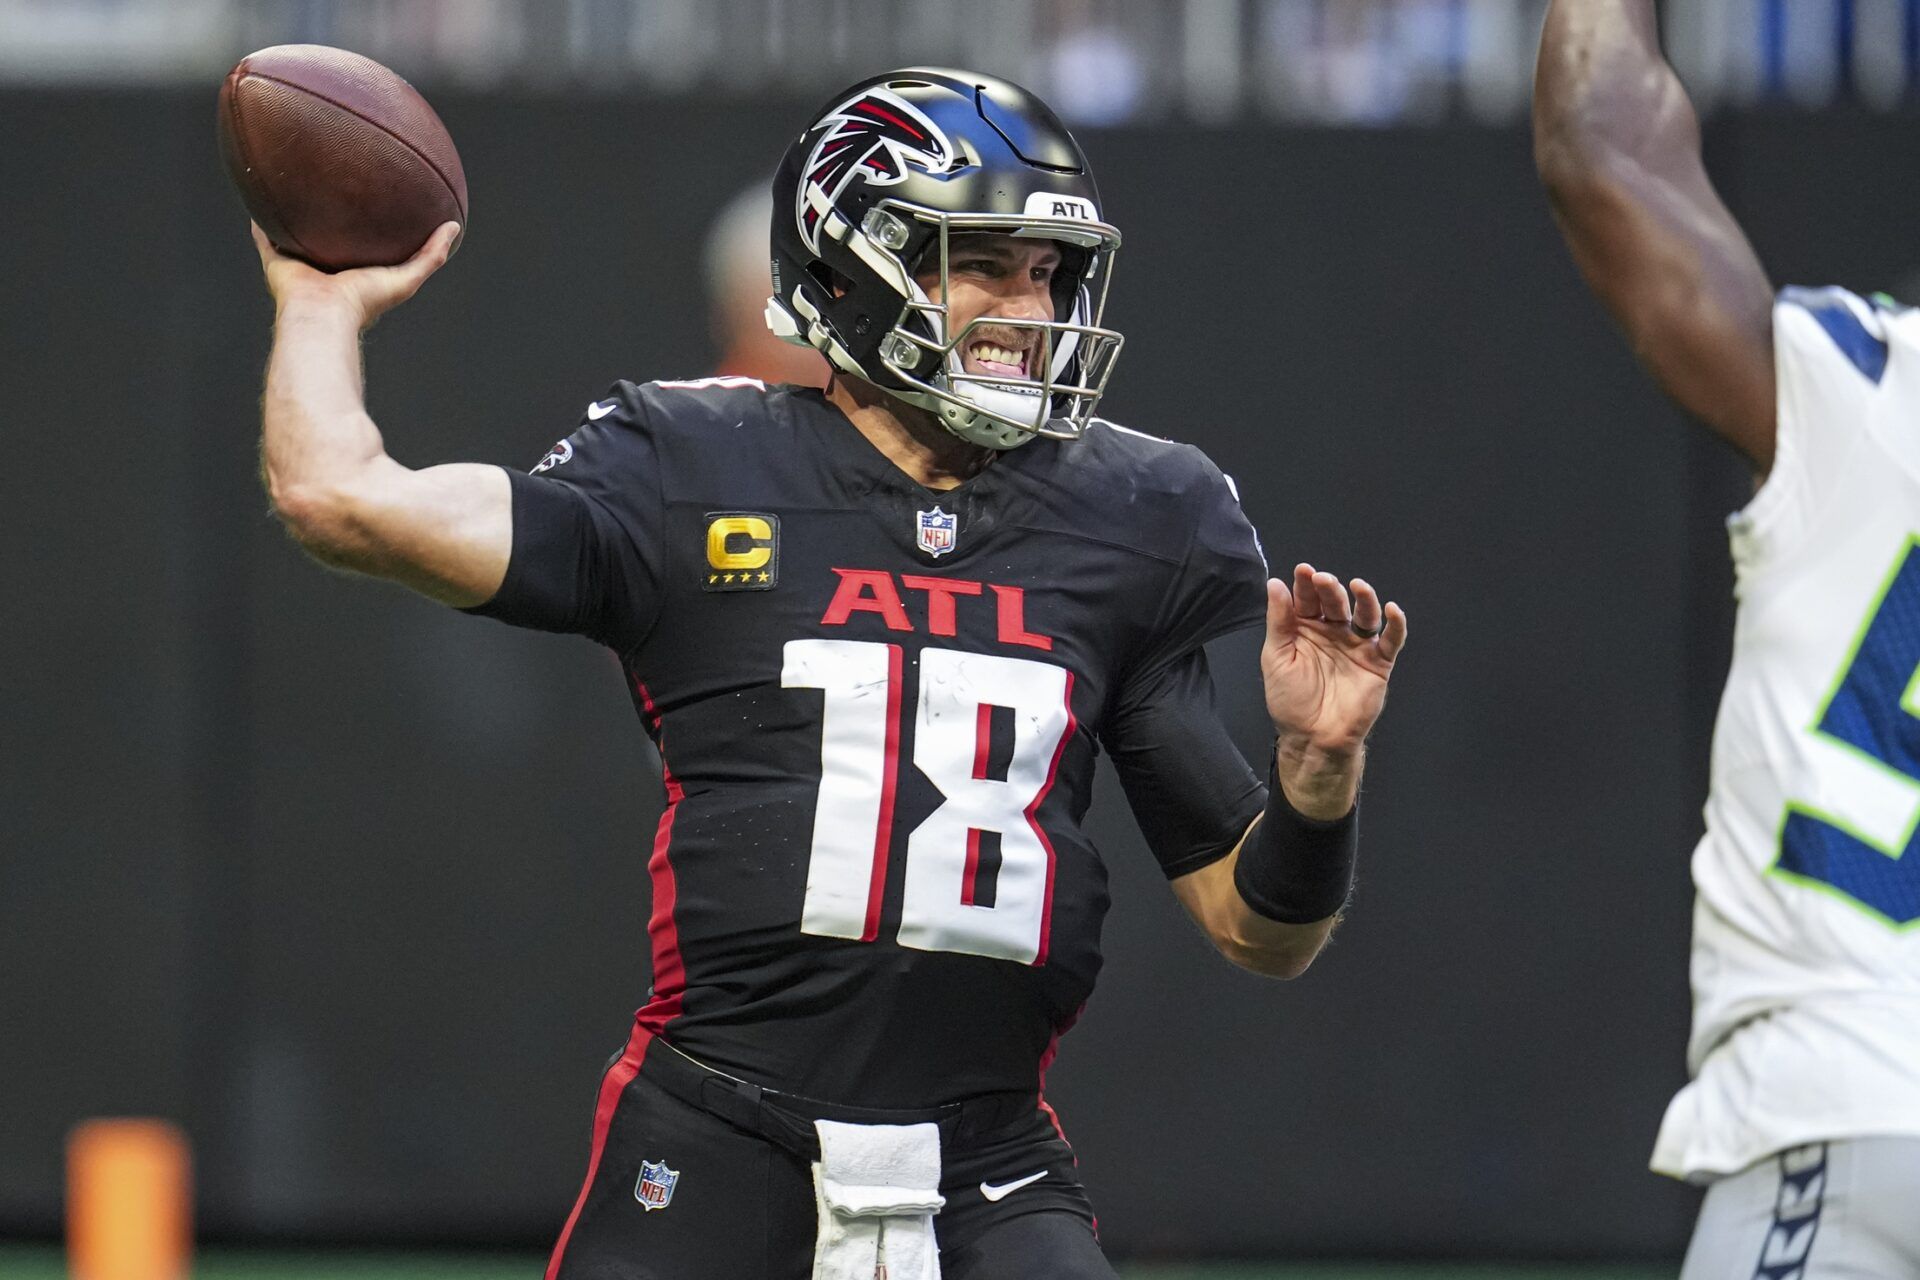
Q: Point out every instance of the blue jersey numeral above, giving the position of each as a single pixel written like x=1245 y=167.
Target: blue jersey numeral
x=1874 y=710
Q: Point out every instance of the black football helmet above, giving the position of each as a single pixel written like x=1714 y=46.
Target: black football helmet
x=873 y=192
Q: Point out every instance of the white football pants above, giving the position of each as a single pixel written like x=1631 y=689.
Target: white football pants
x=1842 y=1210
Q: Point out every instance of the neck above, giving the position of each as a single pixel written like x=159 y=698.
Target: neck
x=911 y=438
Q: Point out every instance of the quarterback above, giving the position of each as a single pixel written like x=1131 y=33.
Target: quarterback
x=878 y=632
x=1803 y=1113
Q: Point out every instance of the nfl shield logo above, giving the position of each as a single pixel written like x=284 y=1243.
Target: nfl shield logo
x=655 y=1188
x=937 y=531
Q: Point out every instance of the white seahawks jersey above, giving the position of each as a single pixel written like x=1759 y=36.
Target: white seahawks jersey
x=1806 y=948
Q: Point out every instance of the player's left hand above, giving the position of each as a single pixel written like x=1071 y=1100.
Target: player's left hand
x=1325 y=680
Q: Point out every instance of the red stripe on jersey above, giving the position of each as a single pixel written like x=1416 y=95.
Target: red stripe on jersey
x=1053 y=771
x=612 y=1085
x=1054 y=1118
x=883 y=829
x=1046 y=1060
x=982 y=743
x=669 y=967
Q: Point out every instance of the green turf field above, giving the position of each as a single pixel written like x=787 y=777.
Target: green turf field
x=36 y=1263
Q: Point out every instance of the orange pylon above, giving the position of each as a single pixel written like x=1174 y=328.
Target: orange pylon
x=129 y=1201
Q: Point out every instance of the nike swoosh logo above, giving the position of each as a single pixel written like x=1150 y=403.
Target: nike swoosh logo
x=1006 y=1189
x=595 y=412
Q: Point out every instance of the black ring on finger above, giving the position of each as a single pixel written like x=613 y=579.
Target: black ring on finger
x=1363 y=633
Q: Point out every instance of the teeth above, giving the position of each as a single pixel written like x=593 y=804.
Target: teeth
x=998 y=355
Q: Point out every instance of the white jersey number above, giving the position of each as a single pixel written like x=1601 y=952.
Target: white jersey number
x=949 y=904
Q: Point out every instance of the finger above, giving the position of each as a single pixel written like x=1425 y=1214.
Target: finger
x=1334 y=606
x=1394 y=638
x=262 y=245
x=429 y=257
x=393 y=285
x=1280 y=619
x=1366 y=606
x=441 y=242
x=1306 y=599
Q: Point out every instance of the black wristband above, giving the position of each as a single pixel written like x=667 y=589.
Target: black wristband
x=1297 y=870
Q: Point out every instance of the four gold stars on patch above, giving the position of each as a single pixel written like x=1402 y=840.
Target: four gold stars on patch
x=714 y=579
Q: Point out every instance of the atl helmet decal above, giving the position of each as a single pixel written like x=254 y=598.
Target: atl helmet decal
x=874 y=136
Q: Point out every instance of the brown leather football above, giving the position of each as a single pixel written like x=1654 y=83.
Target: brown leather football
x=338 y=159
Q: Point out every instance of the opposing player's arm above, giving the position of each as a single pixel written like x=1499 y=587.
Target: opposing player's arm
x=1617 y=144
x=444 y=531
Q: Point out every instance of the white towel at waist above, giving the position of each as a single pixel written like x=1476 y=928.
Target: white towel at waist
x=877 y=1187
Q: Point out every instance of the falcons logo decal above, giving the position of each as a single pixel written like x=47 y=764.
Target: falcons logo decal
x=874 y=136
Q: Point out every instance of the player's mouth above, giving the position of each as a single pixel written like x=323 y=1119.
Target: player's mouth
x=996 y=360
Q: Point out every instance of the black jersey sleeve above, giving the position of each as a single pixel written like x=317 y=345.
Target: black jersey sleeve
x=1220 y=584
x=1189 y=787
x=587 y=531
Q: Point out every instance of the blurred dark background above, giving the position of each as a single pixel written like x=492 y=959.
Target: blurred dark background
x=354 y=886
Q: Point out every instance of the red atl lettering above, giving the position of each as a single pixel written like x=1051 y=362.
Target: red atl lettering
x=866 y=591
x=1013 y=618
x=873 y=591
x=940 y=594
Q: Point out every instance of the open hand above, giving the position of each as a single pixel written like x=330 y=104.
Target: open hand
x=1326 y=681
x=368 y=292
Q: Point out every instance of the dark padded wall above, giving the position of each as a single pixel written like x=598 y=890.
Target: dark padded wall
x=355 y=886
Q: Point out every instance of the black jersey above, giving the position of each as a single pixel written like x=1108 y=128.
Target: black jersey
x=877 y=708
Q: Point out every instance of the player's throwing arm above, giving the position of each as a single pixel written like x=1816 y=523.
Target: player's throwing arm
x=444 y=531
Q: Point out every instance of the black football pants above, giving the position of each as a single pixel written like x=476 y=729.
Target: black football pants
x=742 y=1207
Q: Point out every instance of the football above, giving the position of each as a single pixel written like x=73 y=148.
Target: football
x=341 y=162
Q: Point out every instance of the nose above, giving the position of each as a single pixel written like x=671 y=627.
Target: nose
x=1026 y=299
